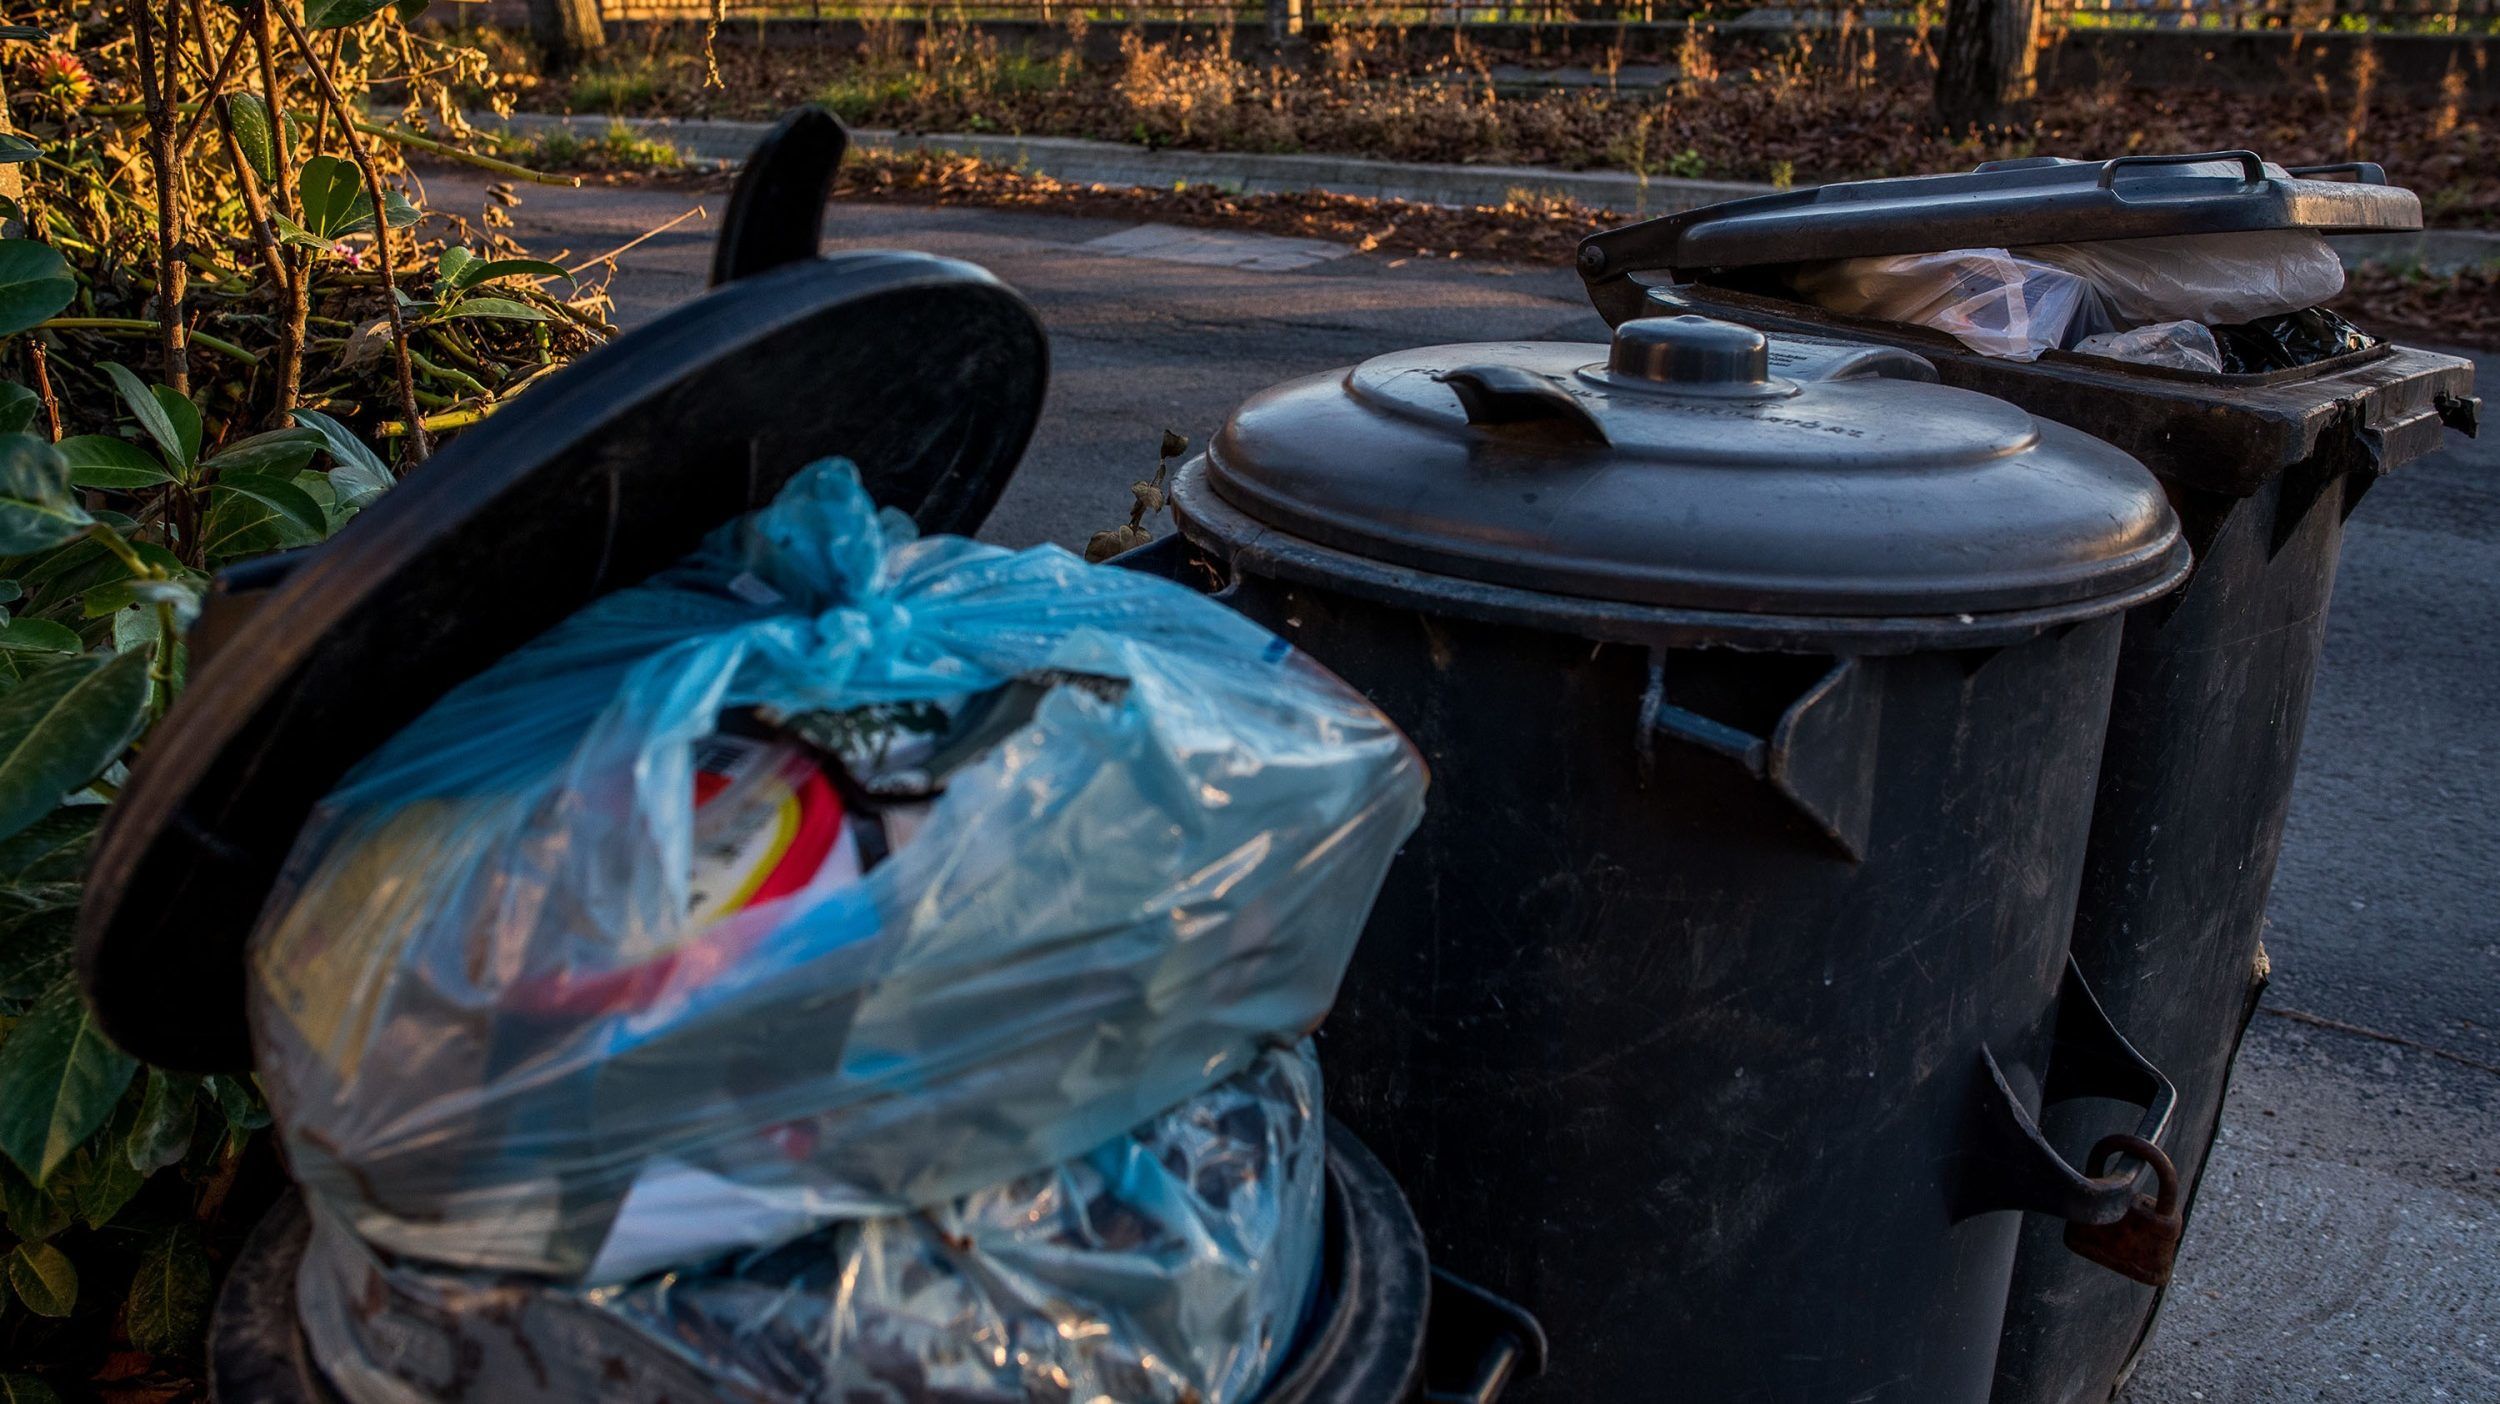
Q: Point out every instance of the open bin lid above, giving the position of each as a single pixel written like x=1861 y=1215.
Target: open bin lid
x=2003 y=204
x=926 y=372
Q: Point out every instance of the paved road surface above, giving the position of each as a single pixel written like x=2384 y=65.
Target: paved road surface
x=2347 y=1246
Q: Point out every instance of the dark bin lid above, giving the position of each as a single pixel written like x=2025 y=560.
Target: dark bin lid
x=1696 y=464
x=927 y=372
x=2008 y=204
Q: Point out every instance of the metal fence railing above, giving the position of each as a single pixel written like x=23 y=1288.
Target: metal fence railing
x=2364 y=16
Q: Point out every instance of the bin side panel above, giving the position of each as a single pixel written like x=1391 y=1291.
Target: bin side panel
x=1651 y=1056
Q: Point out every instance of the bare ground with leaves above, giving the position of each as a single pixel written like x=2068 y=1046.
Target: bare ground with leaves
x=1804 y=118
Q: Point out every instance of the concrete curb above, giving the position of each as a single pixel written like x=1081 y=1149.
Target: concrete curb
x=1115 y=163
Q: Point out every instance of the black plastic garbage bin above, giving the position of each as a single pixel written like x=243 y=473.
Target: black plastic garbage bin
x=927 y=373
x=1762 y=686
x=2213 y=682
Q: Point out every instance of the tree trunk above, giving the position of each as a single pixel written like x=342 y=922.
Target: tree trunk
x=1284 y=21
x=569 y=30
x=1991 y=51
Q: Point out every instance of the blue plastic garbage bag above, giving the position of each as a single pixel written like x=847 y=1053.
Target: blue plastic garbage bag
x=1167 y=1265
x=1111 y=911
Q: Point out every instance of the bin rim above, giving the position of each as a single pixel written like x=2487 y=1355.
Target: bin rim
x=1242 y=542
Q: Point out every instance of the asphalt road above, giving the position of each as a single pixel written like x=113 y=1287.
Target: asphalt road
x=2347 y=1245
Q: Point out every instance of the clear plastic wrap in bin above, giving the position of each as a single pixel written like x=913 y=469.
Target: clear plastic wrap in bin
x=1170 y=1264
x=495 y=1041
x=1991 y=300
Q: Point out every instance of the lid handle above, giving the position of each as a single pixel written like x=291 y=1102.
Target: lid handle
x=2252 y=165
x=2362 y=172
x=777 y=210
x=1498 y=396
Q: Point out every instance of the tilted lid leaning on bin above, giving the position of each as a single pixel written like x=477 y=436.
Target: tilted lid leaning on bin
x=1697 y=465
x=2003 y=204
x=926 y=372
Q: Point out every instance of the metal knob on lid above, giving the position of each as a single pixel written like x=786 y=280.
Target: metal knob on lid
x=1690 y=350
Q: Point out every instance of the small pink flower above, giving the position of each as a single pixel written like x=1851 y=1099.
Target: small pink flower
x=353 y=254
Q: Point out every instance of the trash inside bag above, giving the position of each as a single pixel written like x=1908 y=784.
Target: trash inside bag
x=2205 y=278
x=2179 y=345
x=1172 y=1263
x=1991 y=300
x=2294 y=339
x=829 y=875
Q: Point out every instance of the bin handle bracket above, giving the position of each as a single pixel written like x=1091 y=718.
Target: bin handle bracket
x=1820 y=757
x=2109 y=1219
x=1458 y=1370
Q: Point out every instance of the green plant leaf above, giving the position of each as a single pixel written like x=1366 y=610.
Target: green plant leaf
x=447 y=269
x=100 y=461
x=59 y=1078
x=35 y=951
x=35 y=283
x=38 y=636
x=11 y=592
x=486 y=270
x=37 y=510
x=167 y=1115
x=338 y=14
x=53 y=848
x=110 y=1182
x=336 y=203
x=253 y=512
x=279 y=453
x=149 y=411
x=330 y=191
x=170 y=1294
x=17 y=407
x=33 y=1214
x=26 y=1389
x=360 y=476
x=253 y=132
x=15 y=148
x=500 y=309
x=239 y=1100
x=116 y=595
x=45 y=1279
x=61 y=727
x=184 y=416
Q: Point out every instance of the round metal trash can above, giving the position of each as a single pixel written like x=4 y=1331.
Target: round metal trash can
x=1763 y=687
x=2213 y=681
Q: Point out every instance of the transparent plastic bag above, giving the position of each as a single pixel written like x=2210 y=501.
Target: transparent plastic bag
x=1171 y=1264
x=2210 y=279
x=1990 y=300
x=493 y=1038
x=2180 y=345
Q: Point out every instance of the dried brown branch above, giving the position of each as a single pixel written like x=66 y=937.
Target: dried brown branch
x=170 y=266
x=255 y=207
x=217 y=80
x=418 y=446
x=264 y=33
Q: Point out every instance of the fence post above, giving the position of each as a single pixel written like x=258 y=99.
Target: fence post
x=569 y=30
x=1284 y=21
x=1988 y=69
